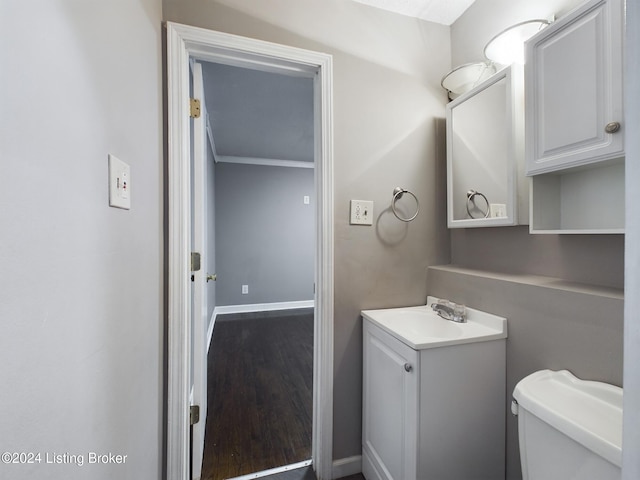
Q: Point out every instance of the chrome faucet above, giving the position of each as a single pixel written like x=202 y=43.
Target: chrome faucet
x=450 y=311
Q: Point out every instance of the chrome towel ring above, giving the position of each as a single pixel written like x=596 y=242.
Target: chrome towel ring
x=398 y=192
x=471 y=195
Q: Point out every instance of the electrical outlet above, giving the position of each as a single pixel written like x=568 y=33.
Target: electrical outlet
x=119 y=183
x=361 y=212
x=245 y=289
x=497 y=210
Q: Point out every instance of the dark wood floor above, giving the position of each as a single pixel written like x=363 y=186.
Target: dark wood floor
x=260 y=379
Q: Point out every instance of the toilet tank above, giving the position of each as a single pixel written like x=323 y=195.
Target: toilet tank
x=569 y=429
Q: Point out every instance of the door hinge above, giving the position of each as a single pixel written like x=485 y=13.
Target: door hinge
x=195 y=261
x=194 y=414
x=194 y=110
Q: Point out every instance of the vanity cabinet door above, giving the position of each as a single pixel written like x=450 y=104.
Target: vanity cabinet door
x=573 y=89
x=390 y=406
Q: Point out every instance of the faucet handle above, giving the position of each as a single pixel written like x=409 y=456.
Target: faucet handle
x=459 y=312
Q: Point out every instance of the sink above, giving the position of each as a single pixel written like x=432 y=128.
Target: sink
x=420 y=327
x=420 y=321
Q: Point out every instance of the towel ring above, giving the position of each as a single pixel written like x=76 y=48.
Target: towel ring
x=471 y=194
x=398 y=192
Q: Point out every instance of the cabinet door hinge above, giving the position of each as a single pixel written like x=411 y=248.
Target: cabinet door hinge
x=195 y=261
x=194 y=110
x=194 y=414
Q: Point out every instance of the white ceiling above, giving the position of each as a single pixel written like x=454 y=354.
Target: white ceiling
x=444 y=12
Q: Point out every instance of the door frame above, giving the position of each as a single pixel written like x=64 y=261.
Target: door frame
x=185 y=42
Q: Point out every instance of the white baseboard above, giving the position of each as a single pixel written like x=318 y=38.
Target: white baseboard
x=210 y=329
x=345 y=467
x=273 y=471
x=263 y=307
x=256 y=307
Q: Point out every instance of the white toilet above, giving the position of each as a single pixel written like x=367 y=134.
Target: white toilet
x=569 y=429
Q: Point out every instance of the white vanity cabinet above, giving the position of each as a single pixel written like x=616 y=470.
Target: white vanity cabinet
x=574 y=134
x=432 y=411
x=573 y=89
x=390 y=397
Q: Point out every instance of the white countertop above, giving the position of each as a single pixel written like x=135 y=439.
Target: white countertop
x=421 y=328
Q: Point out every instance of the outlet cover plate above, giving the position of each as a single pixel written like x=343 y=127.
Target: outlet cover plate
x=119 y=183
x=361 y=212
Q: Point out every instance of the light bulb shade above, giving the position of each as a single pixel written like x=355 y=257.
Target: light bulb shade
x=463 y=78
x=507 y=47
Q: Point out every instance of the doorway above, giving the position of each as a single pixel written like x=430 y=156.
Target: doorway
x=260 y=159
x=184 y=44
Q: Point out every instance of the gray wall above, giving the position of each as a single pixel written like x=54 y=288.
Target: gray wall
x=81 y=287
x=264 y=234
x=551 y=324
x=388 y=131
x=596 y=259
x=593 y=259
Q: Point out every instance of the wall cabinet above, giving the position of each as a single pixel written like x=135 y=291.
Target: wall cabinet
x=573 y=89
x=574 y=113
x=485 y=154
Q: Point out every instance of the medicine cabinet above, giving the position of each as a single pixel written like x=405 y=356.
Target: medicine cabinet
x=485 y=154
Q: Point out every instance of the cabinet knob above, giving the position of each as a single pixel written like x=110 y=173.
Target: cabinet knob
x=612 y=127
x=408 y=367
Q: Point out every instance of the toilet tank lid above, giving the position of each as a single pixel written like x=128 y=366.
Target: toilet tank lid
x=588 y=412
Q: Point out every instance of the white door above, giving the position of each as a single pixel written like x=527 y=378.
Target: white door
x=198 y=296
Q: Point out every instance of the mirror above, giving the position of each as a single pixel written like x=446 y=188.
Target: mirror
x=481 y=154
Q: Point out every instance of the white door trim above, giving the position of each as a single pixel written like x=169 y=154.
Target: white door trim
x=185 y=42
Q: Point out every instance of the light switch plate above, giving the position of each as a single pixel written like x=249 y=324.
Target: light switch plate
x=361 y=212
x=119 y=183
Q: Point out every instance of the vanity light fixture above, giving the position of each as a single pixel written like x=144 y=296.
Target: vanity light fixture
x=463 y=78
x=507 y=47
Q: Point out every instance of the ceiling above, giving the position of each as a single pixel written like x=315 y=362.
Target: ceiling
x=444 y=12
x=255 y=114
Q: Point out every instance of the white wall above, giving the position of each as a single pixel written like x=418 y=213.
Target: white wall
x=81 y=283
